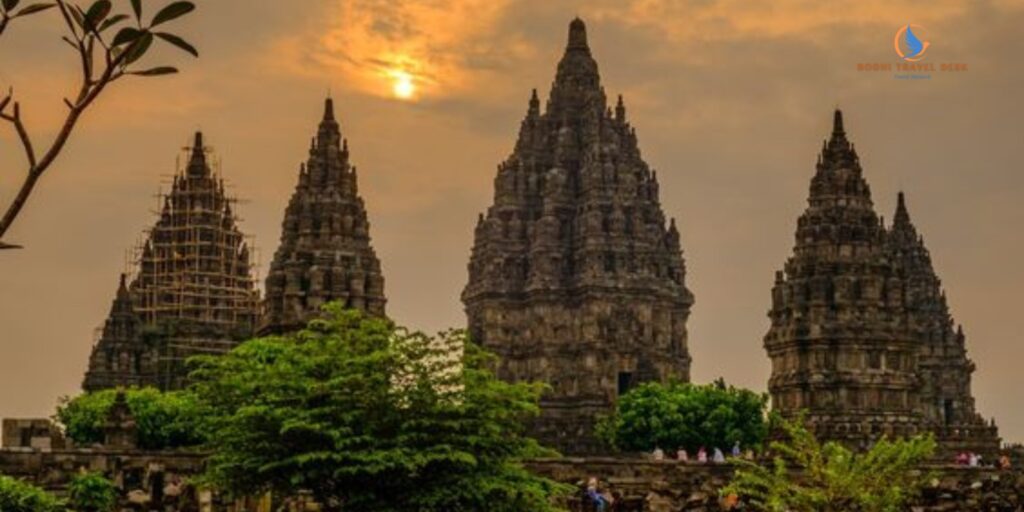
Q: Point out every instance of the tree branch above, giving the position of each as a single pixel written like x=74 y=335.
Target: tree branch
x=83 y=32
x=89 y=91
x=15 y=119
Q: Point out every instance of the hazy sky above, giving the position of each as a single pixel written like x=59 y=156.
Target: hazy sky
x=730 y=98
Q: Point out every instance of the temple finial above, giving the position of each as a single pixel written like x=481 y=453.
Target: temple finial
x=197 y=161
x=620 y=110
x=329 y=109
x=577 y=35
x=902 y=216
x=837 y=123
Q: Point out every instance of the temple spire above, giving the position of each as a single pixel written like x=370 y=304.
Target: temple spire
x=577 y=36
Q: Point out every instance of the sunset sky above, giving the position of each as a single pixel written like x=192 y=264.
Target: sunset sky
x=730 y=98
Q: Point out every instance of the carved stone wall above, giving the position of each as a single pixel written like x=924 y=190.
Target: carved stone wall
x=575 y=278
x=148 y=480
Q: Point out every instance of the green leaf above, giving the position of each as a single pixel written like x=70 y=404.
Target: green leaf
x=179 y=42
x=162 y=70
x=10 y=4
x=126 y=35
x=34 y=8
x=78 y=15
x=97 y=12
x=172 y=11
x=137 y=7
x=138 y=48
x=113 y=20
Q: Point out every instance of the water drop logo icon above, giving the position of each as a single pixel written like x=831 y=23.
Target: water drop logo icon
x=908 y=43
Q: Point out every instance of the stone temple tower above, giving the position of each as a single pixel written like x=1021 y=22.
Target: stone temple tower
x=325 y=253
x=575 y=278
x=839 y=342
x=192 y=291
x=861 y=338
x=945 y=370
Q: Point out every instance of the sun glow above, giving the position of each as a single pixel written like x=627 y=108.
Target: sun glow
x=402 y=85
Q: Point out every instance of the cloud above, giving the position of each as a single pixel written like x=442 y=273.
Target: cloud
x=728 y=20
x=445 y=47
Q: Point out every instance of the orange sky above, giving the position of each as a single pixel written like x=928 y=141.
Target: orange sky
x=730 y=98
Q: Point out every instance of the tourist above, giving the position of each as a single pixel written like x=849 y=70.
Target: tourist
x=961 y=459
x=718 y=456
x=973 y=460
x=599 y=499
x=658 y=454
x=702 y=455
x=1004 y=462
x=736 y=449
x=682 y=455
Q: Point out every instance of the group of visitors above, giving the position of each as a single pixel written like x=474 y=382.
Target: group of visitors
x=974 y=460
x=716 y=456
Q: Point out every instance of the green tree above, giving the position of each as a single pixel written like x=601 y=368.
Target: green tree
x=18 y=496
x=363 y=413
x=109 y=46
x=164 y=419
x=681 y=415
x=92 y=492
x=807 y=476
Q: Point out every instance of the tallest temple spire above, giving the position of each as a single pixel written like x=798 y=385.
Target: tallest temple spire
x=576 y=278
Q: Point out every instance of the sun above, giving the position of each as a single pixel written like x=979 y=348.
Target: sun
x=402 y=85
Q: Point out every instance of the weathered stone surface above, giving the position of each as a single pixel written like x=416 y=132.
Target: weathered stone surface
x=575 y=277
x=325 y=252
x=193 y=291
x=861 y=337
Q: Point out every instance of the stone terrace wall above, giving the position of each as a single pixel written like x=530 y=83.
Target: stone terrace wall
x=156 y=481
x=150 y=480
x=641 y=485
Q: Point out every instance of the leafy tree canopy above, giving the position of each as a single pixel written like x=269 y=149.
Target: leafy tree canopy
x=92 y=492
x=689 y=416
x=18 y=496
x=370 y=416
x=164 y=419
x=806 y=476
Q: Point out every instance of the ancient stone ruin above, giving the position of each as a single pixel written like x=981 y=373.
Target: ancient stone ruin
x=192 y=291
x=861 y=336
x=575 y=278
x=325 y=253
